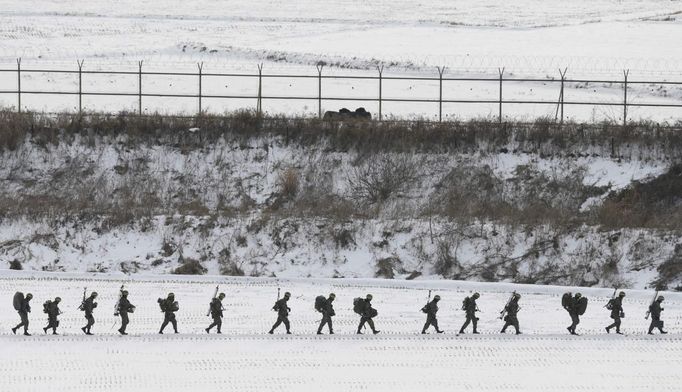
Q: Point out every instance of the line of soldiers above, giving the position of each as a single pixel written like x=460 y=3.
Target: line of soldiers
x=575 y=305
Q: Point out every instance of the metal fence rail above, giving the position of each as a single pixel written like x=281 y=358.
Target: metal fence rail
x=379 y=80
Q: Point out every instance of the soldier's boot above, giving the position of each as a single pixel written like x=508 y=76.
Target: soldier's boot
x=208 y=330
x=476 y=332
x=84 y=330
x=439 y=331
x=271 y=332
x=14 y=330
x=570 y=330
x=608 y=329
x=651 y=331
x=320 y=333
x=331 y=332
x=618 y=332
x=503 y=330
x=288 y=332
x=55 y=333
x=662 y=331
x=359 y=332
x=423 y=332
x=45 y=330
x=26 y=333
x=518 y=332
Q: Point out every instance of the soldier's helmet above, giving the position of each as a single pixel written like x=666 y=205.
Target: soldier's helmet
x=332 y=296
x=221 y=295
x=57 y=300
x=622 y=294
x=517 y=295
x=287 y=294
x=369 y=297
x=29 y=296
x=93 y=294
x=171 y=295
x=660 y=299
x=124 y=293
x=578 y=295
x=436 y=298
x=476 y=295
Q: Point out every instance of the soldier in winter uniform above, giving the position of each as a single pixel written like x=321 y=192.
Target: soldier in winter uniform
x=216 y=313
x=169 y=306
x=327 y=311
x=23 y=311
x=88 y=306
x=431 y=309
x=616 y=307
x=511 y=319
x=469 y=306
x=124 y=307
x=575 y=309
x=282 y=313
x=367 y=314
x=656 y=322
x=52 y=308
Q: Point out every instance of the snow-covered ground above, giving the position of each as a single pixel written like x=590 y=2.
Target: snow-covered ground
x=544 y=358
x=530 y=38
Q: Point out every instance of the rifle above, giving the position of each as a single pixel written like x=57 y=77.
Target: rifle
x=80 y=307
x=612 y=297
x=428 y=300
x=648 y=312
x=504 y=310
x=214 y=296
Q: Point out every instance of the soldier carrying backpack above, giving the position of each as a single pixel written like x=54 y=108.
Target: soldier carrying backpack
x=364 y=308
x=88 y=306
x=324 y=306
x=655 y=309
x=168 y=306
x=282 y=310
x=512 y=311
x=576 y=309
x=469 y=306
x=52 y=310
x=22 y=306
x=615 y=305
x=124 y=307
x=216 y=307
x=431 y=308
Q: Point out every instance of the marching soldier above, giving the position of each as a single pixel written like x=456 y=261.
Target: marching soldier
x=367 y=313
x=656 y=322
x=169 y=306
x=216 y=313
x=576 y=308
x=616 y=307
x=52 y=308
x=88 y=306
x=24 y=310
x=431 y=309
x=511 y=319
x=469 y=306
x=327 y=310
x=282 y=313
x=124 y=307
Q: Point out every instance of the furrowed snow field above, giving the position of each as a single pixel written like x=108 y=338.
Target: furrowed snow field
x=544 y=358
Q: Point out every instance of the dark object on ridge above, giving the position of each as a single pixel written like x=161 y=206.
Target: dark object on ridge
x=345 y=114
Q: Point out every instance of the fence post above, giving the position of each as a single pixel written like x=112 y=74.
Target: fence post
x=80 y=86
x=561 y=95
x=19 y=84
x=440 y=94
x=139 y=85
x=319 y=89
x=625 y=97
x=201 y=67
x=259 y=103
x=501 y=71
x=380 y=68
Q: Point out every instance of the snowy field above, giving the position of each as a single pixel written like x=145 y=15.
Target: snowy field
x=245 y=358
x=529 y=38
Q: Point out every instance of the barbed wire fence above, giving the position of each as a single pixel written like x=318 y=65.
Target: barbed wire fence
x=374 y=82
